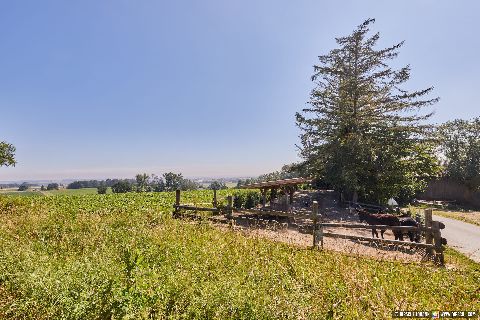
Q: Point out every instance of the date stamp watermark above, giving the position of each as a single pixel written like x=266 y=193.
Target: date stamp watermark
x=436 y=314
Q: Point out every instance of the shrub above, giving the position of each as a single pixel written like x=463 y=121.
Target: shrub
x=52 y=186
x=246 y=200
x=102 y=189
x=122 y=187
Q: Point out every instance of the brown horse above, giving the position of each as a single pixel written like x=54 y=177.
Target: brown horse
x=384 y=219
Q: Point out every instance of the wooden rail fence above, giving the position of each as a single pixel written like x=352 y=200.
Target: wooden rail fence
x=228 y=210
x=433 y=238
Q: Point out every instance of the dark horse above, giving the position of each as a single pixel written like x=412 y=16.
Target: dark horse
x=384 y=219
x=410 y=222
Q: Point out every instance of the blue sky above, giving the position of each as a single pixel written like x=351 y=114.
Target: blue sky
x=95 y=89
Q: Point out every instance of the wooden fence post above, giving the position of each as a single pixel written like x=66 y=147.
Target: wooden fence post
x=321 y=210
x=214 y=198
x=177 y=197
x=177 y=203
x=428 y=234
x=438 y=243
x=264 y=197
x=317 y=228
x=286 y=202
x=229 y=207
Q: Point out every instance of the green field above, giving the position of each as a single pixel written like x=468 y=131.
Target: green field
x=122 y=256
x=19 y=193
x=82 y=191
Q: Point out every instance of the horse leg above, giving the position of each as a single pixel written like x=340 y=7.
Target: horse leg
x=381 y=232
x=410 y=235
x=399 y=235
x=374 y=233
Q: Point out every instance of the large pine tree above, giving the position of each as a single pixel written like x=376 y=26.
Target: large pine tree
x=362 y=133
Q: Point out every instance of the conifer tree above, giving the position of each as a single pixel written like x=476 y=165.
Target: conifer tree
x=361 y=132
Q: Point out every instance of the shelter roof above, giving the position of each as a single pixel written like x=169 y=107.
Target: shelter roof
x=277 y=183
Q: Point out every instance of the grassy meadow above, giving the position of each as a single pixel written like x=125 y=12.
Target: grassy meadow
x=122 y=256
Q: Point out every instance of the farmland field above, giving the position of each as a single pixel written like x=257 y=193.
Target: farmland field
x=37 y=192
x=123 y=256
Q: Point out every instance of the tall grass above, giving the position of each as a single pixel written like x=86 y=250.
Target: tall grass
x=123 y=257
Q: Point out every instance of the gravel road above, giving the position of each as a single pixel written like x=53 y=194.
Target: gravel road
x=462 y=236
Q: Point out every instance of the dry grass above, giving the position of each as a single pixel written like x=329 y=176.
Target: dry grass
x=472 y=217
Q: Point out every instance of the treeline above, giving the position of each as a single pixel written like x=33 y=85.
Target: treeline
x=9 y=185
x=459 y=151
x=144 y=182
x=167 y=182
x=94 y=183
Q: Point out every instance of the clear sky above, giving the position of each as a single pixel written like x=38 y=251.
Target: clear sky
x=96 y=89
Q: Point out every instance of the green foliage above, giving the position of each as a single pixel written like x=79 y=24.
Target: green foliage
x=143 y=182
x=187 y=184
x=91 y=183
x=362 y=133
x=287 y=172
x=172 y=181
x=102 y=189
x=52 y=186
x=246 y=199
x=122 y=186
x=217 y=185
x=7 y=154
x=460 y=145
x=157 y=184
x=121 y=256
x=23 y=187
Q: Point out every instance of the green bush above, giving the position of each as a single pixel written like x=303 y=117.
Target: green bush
x=102 y=189
x=122 y=186
x=246 y=199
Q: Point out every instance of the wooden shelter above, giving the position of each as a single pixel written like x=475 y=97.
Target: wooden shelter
x=288 y=186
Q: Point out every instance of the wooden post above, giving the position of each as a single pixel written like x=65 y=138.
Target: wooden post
x=317 y=232
x=321 y=211
x=264 y=197
x=291 y=191
x=230 y=207
x=286 y=201
x=428 y=224
x=272 y=192
x=438 y=243
x=177 y=203
x=177 y=197
x=214 y=198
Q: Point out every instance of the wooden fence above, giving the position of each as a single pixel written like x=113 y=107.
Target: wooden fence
x=228 y=210
x=433 y=238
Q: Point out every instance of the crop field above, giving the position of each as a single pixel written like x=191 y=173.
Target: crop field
x=122 y=256
x=19 y=193
x=38 y=192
